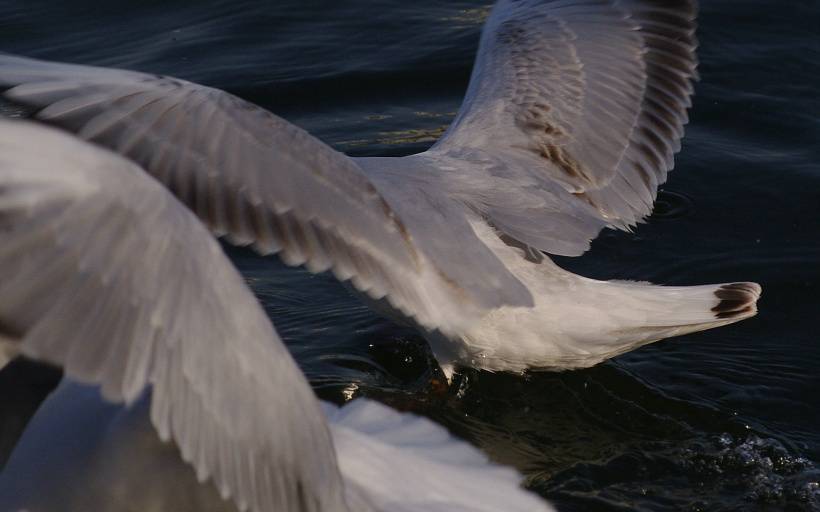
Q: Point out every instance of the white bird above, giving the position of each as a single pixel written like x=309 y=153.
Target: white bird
x=105 y=273
x=571 y=120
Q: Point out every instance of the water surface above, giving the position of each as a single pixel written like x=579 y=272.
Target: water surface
x=723 y=420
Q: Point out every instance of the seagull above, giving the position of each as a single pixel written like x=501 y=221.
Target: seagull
x=573 y=115
x=107 y=274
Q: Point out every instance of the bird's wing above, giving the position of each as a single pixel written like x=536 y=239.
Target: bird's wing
x=399 y=461
x=260 y=180
x=105 y=273
x=408 y=463
x=586 y=101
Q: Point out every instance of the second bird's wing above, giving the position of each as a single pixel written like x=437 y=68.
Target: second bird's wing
x=105 y=273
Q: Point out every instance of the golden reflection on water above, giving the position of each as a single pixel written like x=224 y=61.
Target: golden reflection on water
x=401 y=137
x=475 y=16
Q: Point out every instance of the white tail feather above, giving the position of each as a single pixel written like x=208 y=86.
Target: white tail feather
x=579 y=322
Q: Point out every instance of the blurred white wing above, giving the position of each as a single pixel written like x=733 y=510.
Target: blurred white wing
x=79 y=454
x=262 y=181
x=405 y=463
x=585 y=101
x=105 y=273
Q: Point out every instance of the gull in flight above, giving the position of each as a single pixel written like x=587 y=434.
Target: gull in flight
x=105 y=273
x=573 y=115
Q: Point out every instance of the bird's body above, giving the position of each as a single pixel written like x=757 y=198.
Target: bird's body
x=573 y=115
x=570 y=123
x=574 y=322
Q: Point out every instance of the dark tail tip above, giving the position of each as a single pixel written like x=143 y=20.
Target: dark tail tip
x=737 y=300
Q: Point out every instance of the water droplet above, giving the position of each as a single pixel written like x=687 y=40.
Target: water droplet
x=350 y=391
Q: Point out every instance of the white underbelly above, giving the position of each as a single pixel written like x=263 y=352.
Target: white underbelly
x=558 y=332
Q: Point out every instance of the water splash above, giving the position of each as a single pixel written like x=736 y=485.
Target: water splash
x=763 y=470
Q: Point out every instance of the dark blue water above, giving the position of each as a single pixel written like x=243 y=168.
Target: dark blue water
x=722 y=420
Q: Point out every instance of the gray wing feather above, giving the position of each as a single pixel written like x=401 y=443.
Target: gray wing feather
x=259 y=180
x=104 y=272
x=587 y=95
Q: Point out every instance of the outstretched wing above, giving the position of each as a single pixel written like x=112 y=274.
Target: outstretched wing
x=105 y=273
x=586 y=102
x=260 y=180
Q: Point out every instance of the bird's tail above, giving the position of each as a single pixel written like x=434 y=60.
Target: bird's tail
x=631 y=314
x=580 y=322
x=663 y=311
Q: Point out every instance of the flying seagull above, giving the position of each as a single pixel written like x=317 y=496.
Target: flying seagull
x=105 y=273
x=573 y=115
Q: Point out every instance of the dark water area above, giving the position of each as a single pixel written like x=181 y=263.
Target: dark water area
x=724 y=420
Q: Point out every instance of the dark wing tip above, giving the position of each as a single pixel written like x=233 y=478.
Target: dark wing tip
x=737 y=300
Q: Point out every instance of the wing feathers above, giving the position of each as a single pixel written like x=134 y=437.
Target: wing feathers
x=125 y=288
x=590 y=95
x=434 y=471
x=260 y=181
